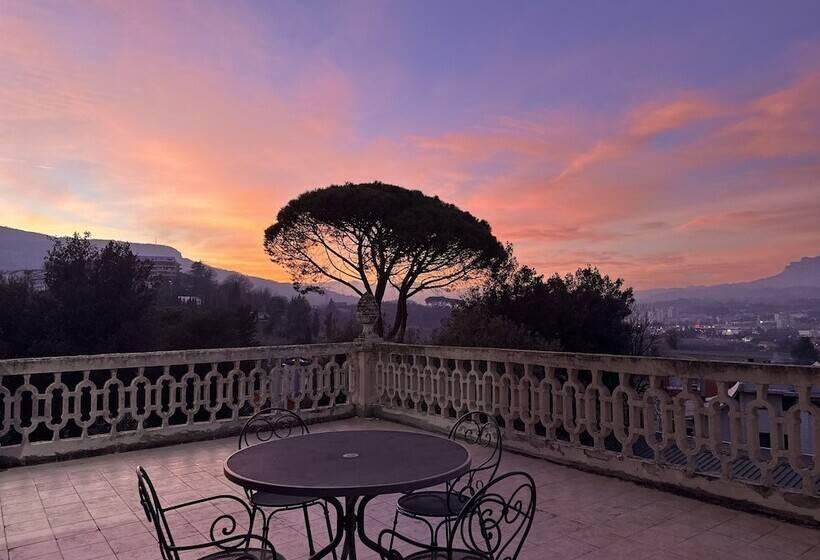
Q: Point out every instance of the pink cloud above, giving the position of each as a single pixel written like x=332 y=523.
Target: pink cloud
x=641 y=124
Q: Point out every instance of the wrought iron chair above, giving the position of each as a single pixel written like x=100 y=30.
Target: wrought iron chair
x=266 y=425
x=231 y=542
x=492 y=525
x=437 y=508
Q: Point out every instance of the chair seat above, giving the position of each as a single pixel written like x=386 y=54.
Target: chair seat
x=269 y=499
x=441 y=554
x=256 y=553
x=432 y=503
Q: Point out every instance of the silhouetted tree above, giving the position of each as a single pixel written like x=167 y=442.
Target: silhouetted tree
x=24 y=320
x=275 y=307
x=186 y=327
x=314 y=324
x=476 y=326
x=234 y=291
x=103 y=300
x=330 y=321
x=581 y=312
x=644 y=335
x=297 y=325
x=804 y=351
x=246 y=326
x=202 y=283
x=372 y=236
x=100 y=298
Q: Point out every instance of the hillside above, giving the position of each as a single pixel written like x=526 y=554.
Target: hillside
x=25 y=250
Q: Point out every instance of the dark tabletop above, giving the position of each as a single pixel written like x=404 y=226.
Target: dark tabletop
x=348 y=463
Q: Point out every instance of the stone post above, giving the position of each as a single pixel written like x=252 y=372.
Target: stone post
x=365 y=357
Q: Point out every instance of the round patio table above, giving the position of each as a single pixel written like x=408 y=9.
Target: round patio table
x=355 y=465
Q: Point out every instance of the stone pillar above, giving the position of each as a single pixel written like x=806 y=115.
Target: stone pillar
x=365 y=357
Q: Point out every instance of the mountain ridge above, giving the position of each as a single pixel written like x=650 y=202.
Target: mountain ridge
x=798 y=280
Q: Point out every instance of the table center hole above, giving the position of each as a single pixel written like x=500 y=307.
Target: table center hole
x=350 y=455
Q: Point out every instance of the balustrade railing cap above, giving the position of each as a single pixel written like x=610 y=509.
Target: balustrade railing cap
x=54 y=364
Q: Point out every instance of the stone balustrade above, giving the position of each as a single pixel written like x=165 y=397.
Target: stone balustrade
x=52 y=407
x=748 y=432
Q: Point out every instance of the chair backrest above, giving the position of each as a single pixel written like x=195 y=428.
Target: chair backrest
x=483 y=434
x=269 y=424
x=155 y=514
x=496 y=521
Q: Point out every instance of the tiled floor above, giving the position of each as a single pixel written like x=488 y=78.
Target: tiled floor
x=88 y=509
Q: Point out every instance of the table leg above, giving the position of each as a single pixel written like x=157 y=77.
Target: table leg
x=350 y=522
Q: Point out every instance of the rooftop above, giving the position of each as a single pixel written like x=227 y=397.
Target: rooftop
x=88 y=509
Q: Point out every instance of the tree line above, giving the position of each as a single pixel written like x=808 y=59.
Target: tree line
x=581 y=312
x=109 y=300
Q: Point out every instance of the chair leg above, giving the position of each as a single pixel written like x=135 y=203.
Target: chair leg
x=265 y=523
x=393 y=532
x=253 y=519
x=433 y=532
x=329 y=528
x=311 y=548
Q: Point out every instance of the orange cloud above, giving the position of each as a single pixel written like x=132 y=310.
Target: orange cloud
x=642 y=124
x=783 y=123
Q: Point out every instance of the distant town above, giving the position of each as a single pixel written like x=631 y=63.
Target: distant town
x=754 y=332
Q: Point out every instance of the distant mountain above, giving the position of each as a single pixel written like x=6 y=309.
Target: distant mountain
x=25 y=250
x=799 y=280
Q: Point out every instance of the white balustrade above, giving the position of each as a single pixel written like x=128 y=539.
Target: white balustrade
x=748 y=432
x=744 y=431
x=64 y=406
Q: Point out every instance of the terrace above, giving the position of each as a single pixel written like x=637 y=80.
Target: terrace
x=723 y=465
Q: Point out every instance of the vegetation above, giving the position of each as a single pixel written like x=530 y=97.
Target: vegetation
x=645 y=335
x=107 y=300
x=672 y=338
x=97 y=300
x=374 y=237
x=804 y=351
x=519 y=308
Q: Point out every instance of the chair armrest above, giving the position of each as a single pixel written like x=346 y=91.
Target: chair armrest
x=224 y=526
x=230 y=543
x=208 y=500
x=394 y=554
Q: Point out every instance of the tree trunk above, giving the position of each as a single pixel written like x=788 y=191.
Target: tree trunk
x=403 y=328
x=400 y=321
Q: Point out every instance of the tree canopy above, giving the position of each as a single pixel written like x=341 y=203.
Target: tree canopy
x=106 y=299
x=372 y=237
x=519 y=308
x=99 y=298
x=804 y=351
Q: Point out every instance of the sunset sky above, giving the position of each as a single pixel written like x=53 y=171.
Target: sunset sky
x=670 y=143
